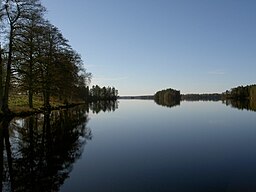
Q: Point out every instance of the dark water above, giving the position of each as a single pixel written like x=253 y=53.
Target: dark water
x=141 y=146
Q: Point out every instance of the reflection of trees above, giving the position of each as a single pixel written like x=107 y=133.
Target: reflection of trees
x=6 y=164
x=105 y=106
x=42 y=148
x=248 y=104
x=168 y=103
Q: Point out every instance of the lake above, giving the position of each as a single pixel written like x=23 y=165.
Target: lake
x=132 y=145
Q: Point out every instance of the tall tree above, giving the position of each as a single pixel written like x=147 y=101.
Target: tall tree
x=56 y=63
x=50 y=44
x=26 y=49
x=13 y=13
x=17 y=13
x=38 y=58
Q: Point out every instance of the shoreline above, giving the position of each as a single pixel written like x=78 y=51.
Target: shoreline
x=32 y=111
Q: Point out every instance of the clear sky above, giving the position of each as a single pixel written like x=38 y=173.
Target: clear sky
x=142 y=46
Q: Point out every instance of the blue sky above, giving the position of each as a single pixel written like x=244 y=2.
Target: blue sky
x=142 y=46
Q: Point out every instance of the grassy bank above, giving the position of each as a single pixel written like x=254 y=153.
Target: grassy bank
x=19 y=105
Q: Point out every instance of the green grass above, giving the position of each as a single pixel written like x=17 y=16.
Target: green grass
x=19 y=103
x=22 y=101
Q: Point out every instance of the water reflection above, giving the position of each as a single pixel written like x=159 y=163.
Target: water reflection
x=248 y=104
x=168 y=102
x=38 y=152
x=105 y=106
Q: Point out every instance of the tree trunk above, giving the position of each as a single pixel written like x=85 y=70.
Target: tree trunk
x=1 y=78
x=5 y=106
x=30 y=91
x=48 y=81
x=30 y=98
x=31 y=83
x=47 y=99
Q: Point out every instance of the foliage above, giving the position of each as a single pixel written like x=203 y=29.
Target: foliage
x=241 y=97
x=168 y=97
x=35 y=58
x=102 y=93
x=241 y=92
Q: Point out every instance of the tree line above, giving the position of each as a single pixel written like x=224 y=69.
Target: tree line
x=102 y=93
x=35 y=58
x=241 y=97
x=202 y=97
x=241 y=92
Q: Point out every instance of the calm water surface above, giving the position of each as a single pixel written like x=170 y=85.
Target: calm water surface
x=140 y=146
x=197 y=146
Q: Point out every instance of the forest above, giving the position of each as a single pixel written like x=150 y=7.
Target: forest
x=102 y=93
x=241 y=97
x=202 y=97
x=36 y=60
x=241 y=92
x=168 y=97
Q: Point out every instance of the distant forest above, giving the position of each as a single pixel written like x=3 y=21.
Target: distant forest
x=168 y=97
x=241 y=97
x=238 y=93
x=241 y=92
x=102 y=93
x=202 y=97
